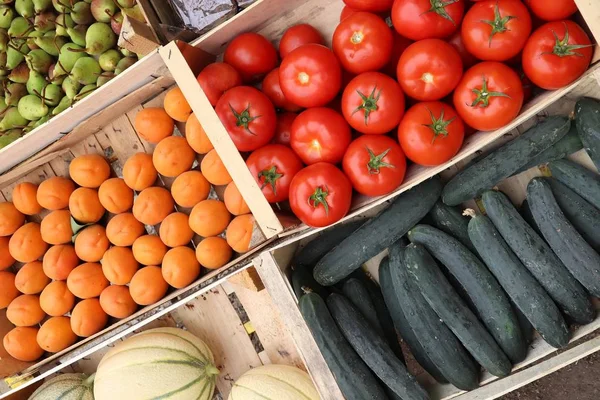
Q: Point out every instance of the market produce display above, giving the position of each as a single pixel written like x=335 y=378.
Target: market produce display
x=66 y=386
x=274 y=382
x=54 y=53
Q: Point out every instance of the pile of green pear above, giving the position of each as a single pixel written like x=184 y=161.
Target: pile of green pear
x=54 y=53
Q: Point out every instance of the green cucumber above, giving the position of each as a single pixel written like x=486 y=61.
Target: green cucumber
x=406 y=332
x=452 y=221
x=525 y=292
x=357 y=293
x=441 y=346
x=525 y=212
x=374 y=351
x=504 y=162
x=587 y=120
x=376 y=235
x=574 y=252
x=302 y=280
x=488 y=298
x=538 y=258
x=526 y=327
x=353 y=377
x=584 y=216
x=579 y=179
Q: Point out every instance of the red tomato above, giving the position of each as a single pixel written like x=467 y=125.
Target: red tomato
x=431 y=133
x=554 y=10
x=252 y=55
x=496 y=30
x=271 y=88
x=373 y=103
x=375 y=165
x=489 y=96
x=248 y=116
x=346 y=12
x=557 y=54
x=283 y=129
x=297 y=36
x=423 y=19
x=400 y=44
x=467 y=58
x=310 y=76
x=370 y=5
x=320 y=134
x=273 y=168
x=217 y=78
x=363 y=42
x=320 y=195
x=429 y=69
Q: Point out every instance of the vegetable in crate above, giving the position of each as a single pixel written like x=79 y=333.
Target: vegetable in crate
x=553 y=11
x=357 y=293
x=67 y=387
x=538 y=258
x=452 y=221
x=587 y=120
x=526 y=293
x=417 y=20
x=252 y=55
x=505 y=161
x=378 y=233
x=578 y=178
x=284 y=382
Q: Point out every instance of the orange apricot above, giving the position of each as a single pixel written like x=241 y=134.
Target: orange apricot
x=173 y=156
x=139 y=172
x=214 y=170
x=175 y=230
x=87 y=280
x=148 y=286
x=239 y=233
x=123 y=229
x=56 y=227
x=21 y=344
x=234 y=201
x=6 y=260
x=119 y=265
x=116 y=301
x=89 y=170
x=54 y=193
x=180 y=267
x=11 y=219
x=85 y=206
x=153 y=124
x=149 y=250
x=91 y=243
x=59 y=261
x=213 y=252
x=8 y=290
x=209 y=218
x=56 y=334
x=88 y=318
x=196 y=136
x=176 y=105
x=190 y=188
x=153 y=205
x=115 y=196
x=24 y=197
x=27 y=245
x=31 y=279
x=25 y=310
x=56 y=299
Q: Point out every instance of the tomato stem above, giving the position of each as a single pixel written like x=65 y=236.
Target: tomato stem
x=270 y=178
x=439 y=126
x=439 y=7
x=562 y=48
x=376 y=162
x=244 y=118
x=319 y=196
x=484 y=95
x=369 y=104
x=498 y=24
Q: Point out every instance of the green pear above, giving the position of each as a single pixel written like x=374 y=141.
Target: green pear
x=135 y=12
x=126 y=53
x=19 y=74
x=86 y=70
x=78 y=34
x=109 y=59
x=24 y=8
x=45 y=21
x=103 y=10
x=82 y=14
x=39 y=60
x=12 y=119
x=41 y=121
x=15 y=54
x=125 y=63
x=31 y=39
x=64 y=104
x=68 y=56
x=71 y=87
x=63 y=22
x=62 y=6
x=36 y=83
x=14 y=92
x=3 y=105
x=126 y=3
x=104 y=79
x=51 y=43
x=116 y=23
x=99 y=38
x=6 y=16
x=19 y=28
x=4 y=39
x=53 y=78
x=32 y=107
x=85 y=91
x=40 y=6
x=9 y=136
x=52 y=95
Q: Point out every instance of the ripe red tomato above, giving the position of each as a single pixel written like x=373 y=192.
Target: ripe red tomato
x=273 y=168
x=320 y=195
x=467 y=58
x=373 y=103
x=248 y=116
x=554 y=10
x=252 y=55
x=489 y=96
x=346 y=12
x=557 y=54
x=400 y=44
x=431 y=133
x=297 y=36
x=375 y=165
x=363 y=42
x=496 y=30
x=217 y=78
x=320 y=134
x=370 y=5
x=423 y=19
x=283 y=129
x=310 y=76
x=429 y=69
x=271 y=88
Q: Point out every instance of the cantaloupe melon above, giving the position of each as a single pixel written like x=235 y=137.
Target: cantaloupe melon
x=66 y=387
x=274 y=382
x=162 y=363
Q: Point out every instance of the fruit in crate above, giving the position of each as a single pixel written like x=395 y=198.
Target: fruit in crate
x=276 y=382
x=67 y=387
x=154 y=363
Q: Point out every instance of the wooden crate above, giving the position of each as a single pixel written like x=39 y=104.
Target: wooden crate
x=273 y=267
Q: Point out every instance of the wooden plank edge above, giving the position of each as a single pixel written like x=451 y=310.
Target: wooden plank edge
x=591 y=14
